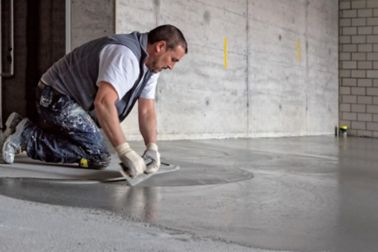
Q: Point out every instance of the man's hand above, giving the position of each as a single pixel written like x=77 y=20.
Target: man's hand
x=133 y=164
x=152 y=158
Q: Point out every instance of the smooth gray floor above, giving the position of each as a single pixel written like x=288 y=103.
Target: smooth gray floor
x=305 y=194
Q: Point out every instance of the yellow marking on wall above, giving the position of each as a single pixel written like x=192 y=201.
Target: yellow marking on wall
x=298 y=51
x=225 y=45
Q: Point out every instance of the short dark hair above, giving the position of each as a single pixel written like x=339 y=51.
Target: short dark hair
x=170 y=34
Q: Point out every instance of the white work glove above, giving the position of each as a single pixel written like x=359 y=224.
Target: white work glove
x=133 y=164
x=151 y=157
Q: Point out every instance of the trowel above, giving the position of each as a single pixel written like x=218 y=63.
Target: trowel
x=133 y=181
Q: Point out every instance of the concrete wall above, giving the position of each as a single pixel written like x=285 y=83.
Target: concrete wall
x=91 y=19
x=281 y=74
x=359 y=66
x=199 y=98
x=292 y=67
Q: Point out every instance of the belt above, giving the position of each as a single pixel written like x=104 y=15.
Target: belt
x=41 y=86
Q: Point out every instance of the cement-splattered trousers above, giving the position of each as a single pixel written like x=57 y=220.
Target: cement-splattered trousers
x=65 y=132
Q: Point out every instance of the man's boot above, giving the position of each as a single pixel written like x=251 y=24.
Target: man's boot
x=14 y=143
x=10 y=126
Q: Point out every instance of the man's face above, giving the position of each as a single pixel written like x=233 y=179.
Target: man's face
x=161 y=58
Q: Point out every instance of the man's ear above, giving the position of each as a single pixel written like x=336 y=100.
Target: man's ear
x=160 y=46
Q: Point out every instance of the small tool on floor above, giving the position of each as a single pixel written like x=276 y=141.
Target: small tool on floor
x=133 y=181
x=164 y=168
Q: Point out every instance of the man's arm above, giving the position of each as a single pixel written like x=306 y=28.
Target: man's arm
x=148 y=129
x=147 y=120
x=107 y=114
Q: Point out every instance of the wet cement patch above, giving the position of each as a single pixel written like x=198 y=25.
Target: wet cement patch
x=89 y=192
x=192 y=176
x=68 y=185
x=111 y=196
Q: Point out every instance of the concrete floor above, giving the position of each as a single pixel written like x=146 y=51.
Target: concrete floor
x=307 y=194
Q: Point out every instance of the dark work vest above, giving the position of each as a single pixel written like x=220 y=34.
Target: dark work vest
x=76 y=73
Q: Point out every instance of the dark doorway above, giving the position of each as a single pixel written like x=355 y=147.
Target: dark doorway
x=39 y=40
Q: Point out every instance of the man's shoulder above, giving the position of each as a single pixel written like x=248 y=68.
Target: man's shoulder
x=119 y=51
x=115 y=56
x=119 y=48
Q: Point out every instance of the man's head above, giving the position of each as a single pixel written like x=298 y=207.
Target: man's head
x=166 y=46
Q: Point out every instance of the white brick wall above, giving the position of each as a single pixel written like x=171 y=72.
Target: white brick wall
x=358 y=46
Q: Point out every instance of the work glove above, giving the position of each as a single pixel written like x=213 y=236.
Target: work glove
x=151 y=157
x=132 y=164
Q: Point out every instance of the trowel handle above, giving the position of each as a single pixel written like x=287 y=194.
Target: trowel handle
x=147 y=161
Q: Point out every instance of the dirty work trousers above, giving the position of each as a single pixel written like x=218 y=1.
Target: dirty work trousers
x=65 y=133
